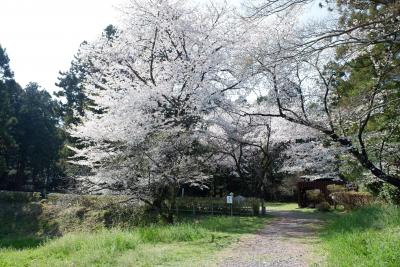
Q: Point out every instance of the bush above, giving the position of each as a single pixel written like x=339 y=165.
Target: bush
x=315 y=196
x=323 y=206
x=332 y=188
x=389 y=194
x=351 y=200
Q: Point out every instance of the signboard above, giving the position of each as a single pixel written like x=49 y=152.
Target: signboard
x=229 y=199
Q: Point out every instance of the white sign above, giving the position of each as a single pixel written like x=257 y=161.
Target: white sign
x=229 y=199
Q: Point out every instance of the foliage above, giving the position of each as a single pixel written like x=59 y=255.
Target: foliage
x=364 y=237
x=389 y=194
x=332 y=188
x=72 y=93
x=30 y=139
x=5 y=70
x=351 y=200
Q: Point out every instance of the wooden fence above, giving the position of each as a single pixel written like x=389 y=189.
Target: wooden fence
x=217 y=206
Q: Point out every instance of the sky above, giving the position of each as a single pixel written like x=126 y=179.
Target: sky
x=42 y=36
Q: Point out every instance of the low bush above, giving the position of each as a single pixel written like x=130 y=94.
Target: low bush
x=389 y=194
x=323 y=206
x=351 y=200
x=332 y=188
x=315 y=196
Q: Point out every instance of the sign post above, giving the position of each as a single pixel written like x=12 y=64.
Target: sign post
x=229 y=200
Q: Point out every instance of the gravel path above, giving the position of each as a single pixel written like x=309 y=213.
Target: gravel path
x=286 y=241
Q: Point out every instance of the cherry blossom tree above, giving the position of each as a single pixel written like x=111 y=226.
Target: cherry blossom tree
x=336 y=78
x=152 y=83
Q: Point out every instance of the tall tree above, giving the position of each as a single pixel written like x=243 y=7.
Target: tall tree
x=9 y=97
x=74 y=102
x=153 y=82
x=29 y=135
x=38 y=137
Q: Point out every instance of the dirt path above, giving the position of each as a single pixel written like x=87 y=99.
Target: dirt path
x=286 y=241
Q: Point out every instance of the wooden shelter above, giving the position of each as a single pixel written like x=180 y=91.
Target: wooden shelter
x=306 y=184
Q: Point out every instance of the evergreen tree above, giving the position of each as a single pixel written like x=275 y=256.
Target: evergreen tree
x=72 y=86
x=30 y=137
x=38 y=137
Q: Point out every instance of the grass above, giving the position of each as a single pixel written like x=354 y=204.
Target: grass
x=283 y=206
x=189 y=242
x=369 y=236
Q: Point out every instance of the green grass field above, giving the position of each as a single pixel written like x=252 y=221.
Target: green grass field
x=368 y=236
x=190 y=242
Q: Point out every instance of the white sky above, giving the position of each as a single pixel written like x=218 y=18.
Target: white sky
x=41 y=36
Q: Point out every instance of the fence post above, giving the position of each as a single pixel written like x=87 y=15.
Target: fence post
x=212 y=208
x=194 y=211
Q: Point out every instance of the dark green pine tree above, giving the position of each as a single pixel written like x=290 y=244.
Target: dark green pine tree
x=72 y=91
x=9 y=97
x=39 y=138
x=30 y=136
x=71 y=82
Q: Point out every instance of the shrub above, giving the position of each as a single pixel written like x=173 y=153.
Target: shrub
x=332 y=188
x=315 y=196
x=323 y=206
x=389 y=194
x=351 y=200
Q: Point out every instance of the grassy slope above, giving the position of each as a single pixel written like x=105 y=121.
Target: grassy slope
x=191 y=242
x=366 y=237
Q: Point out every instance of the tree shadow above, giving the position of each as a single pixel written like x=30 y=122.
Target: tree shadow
x=20 y=242
x=22 y=227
